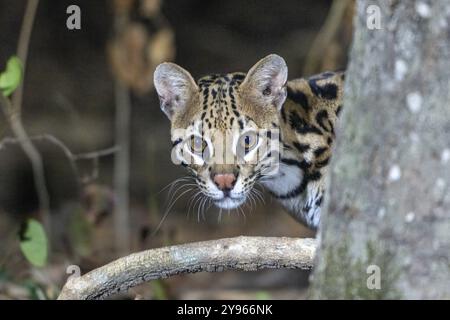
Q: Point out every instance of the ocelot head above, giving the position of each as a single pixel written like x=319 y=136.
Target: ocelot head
x=225 y=127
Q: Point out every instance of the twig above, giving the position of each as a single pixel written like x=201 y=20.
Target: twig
x=241 y=253
x=15 y=122
x=22 y=48
x=122 y=169
x=73 y=158
x=13 y=115
x=96 y=154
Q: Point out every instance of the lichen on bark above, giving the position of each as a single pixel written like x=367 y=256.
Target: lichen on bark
x=346 y=277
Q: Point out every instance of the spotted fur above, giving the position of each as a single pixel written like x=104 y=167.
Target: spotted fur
x=302 y=111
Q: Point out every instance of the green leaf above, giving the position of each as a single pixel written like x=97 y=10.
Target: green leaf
x=80 y=232
x=159 y=290
x=33 y=243
x=262 y=295
x=11 y=77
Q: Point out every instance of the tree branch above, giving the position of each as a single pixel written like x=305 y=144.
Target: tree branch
x=72 y=157
x=122 y=169
x=15 y=122
x=22 y=48
x=240 y=253
x=13 y=113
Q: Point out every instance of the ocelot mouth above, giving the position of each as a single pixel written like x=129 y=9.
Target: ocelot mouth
x=229 y=203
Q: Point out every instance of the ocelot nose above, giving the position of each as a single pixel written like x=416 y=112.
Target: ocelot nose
x=225 y=181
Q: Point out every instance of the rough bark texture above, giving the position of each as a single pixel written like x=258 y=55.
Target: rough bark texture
x=389 y=199
x=241 y=253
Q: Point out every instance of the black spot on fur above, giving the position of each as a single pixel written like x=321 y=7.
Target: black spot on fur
x=331 y=126
x=320 y=151
x=295 y=121
x=327 y=91
x=300 y=126
x=304 y=165
x=323 y=163
x=283 y=115
x=176 y=142
x=290 y=162
x=321 y=116
x=238 y=76
x=314 y=176
x=302 y=147
x=298 y=97
x=329 y=141
x=295 y=192
x=319 y=201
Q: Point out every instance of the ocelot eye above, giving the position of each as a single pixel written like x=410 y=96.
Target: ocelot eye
x=248 y=141
x=197 y=145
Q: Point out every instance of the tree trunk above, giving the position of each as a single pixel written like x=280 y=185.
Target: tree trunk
x=388 y=205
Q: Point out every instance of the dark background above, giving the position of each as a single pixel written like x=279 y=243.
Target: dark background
x=69 y=93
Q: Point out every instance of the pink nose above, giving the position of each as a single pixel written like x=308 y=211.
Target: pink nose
x=224 y=181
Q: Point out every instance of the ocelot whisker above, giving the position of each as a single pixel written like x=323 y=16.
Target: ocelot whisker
x=166 y=213
x=191 y=202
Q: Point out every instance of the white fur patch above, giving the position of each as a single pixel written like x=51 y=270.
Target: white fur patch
x=287 y=179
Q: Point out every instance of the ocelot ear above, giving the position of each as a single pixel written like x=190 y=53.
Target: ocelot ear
x=175 y=87
x=266 y=80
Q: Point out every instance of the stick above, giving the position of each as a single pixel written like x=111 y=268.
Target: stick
x=240 y=253
x=122 y=169
x=13 y=113
x=15 y=122
x=22 y=48
x=73 y=158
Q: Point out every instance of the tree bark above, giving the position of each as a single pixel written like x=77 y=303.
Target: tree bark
x=389 y=199
x=241 y=253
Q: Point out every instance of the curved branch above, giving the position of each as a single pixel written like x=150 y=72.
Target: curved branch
x=240 y=253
